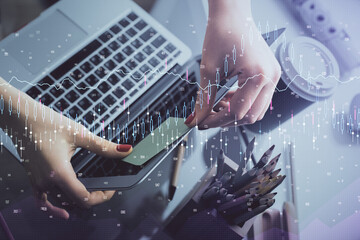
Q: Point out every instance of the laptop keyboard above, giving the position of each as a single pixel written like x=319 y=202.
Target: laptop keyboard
x=175 y=102
x=129 y=49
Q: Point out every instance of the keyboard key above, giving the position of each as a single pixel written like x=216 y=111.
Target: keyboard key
x=128 y=50
x=137 y=76
x=148 y=50
x=131 y=64
x=162 y=55
x=158 y=41
x=86 y=67
x=100 y=109
x=90 y=117
x=75 y=112
x=132 y=16
x=84 y=103
x=110 y=65
x=177 y=54
x=151 y=77
x=67 y=83
x=92 y=80
x=109 y=100
x=148 y=34
x=104 y=87
x=104 y=53
x=140 y=25
x=154 y=62
x=106 y=117
x=72 y=96
x=61 y=105
x=133 y=92
x=96 y=59
x=128 y=84
x=145 y=68
x=119 y=92
x=105 y=36
x=46 y=99
x=136 y=43
x=124 y=22
x=119 y=57
x=82 y=88
x=140 y=57
x=76 y=74
x=45 y=83
x=94 y=95
x=122 y=38
x=56 y=92
x=101 y=72
x=75 y=59
x=131 y=32
x=122 y=71
x=115 y=109
x=115 y=29
x=170 y=48
x=113 y=79
x=114 y=45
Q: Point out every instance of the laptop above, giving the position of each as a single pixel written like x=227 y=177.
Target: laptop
x=94 y=62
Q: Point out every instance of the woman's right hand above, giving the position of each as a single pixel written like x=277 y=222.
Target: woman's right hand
x=47 y=161
x=49 y=141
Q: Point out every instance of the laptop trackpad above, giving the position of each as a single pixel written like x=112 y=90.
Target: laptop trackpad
x=45 y=41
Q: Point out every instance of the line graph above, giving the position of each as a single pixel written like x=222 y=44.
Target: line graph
x=179 y=76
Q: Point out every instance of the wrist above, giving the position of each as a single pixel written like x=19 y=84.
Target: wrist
x=218 y=8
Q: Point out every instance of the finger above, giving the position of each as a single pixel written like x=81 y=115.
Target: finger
x=267 y=106
x=224 y=102
x=46 y=206
x=102 y=146
x=254 y=113
x=258 y=106
x=51 y=209
x=77 y=192
x=240 y=104
x=206 y=93
x=220 y=106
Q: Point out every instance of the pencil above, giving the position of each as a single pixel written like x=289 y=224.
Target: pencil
x=177 y=168
x=244 y=217
x=265 y=158
x=272 y=164
x=211 y=193
x=234 y=203
x=240 y=181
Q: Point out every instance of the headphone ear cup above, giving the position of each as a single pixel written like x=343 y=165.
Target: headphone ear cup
x=290 y=221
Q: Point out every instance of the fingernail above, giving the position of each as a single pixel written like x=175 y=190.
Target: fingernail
x=190 y=118
x=123 y=147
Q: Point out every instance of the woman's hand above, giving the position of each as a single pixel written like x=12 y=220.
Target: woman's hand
x=49 y=140
x=47 y=161
x=230 y=24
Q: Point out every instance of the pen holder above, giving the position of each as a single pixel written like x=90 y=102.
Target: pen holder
x=193 y=220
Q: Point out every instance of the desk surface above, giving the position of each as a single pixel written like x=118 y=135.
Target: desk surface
x=326 y=163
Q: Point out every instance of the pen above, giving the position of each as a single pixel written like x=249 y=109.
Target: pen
x=220 y=164
x=177 y=168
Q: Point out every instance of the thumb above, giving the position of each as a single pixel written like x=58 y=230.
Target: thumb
x=102 y=146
